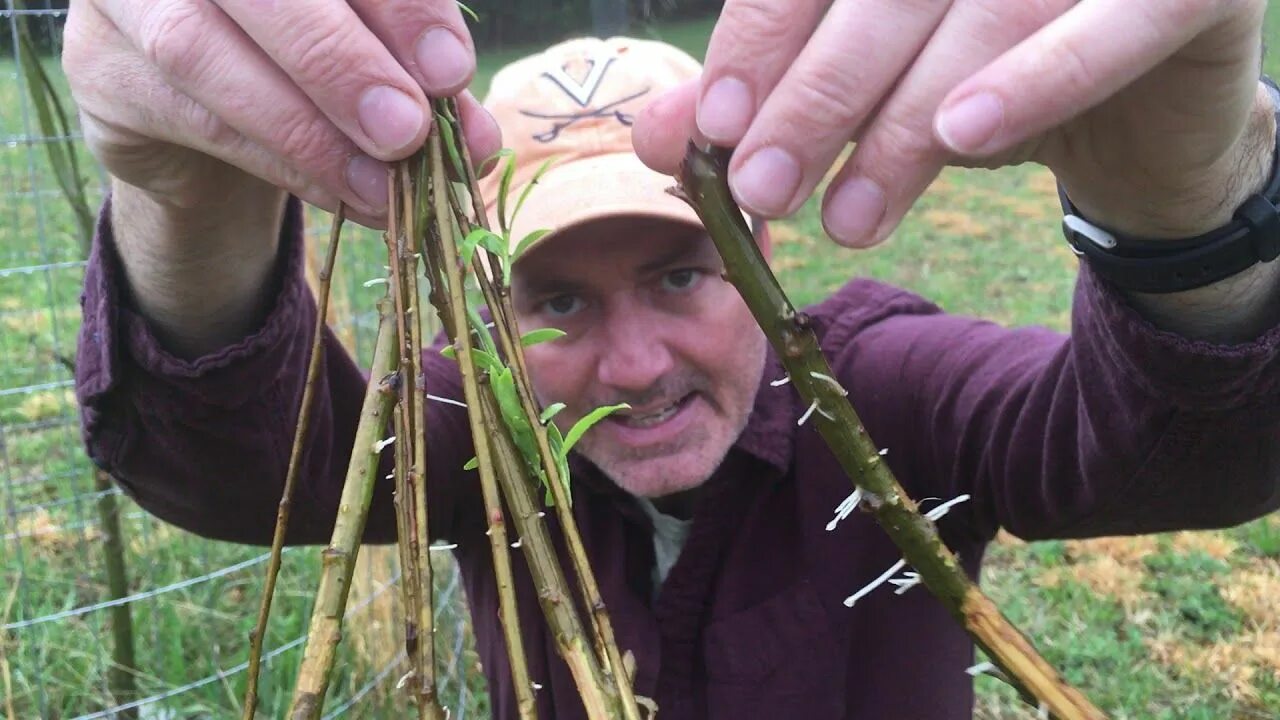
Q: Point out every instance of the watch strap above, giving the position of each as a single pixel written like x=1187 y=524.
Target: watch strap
x=1165 y=266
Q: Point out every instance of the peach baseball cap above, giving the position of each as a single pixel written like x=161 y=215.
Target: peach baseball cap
x=574 y=104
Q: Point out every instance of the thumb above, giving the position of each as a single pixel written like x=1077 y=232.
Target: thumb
x=665 y=126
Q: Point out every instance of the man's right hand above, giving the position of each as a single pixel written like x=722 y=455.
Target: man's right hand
x=184 y=98
x=199 y=109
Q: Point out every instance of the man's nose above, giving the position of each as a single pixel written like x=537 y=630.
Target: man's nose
x=635 y=353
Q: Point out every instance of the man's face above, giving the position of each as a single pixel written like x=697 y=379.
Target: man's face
x=651 y=323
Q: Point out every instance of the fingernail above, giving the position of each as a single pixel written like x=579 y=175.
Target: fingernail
x=390 y=118
x=367 y=178
x=854 y=211
x=444 y=61
x=725 y=111
x=970 y=125
x=767 y=181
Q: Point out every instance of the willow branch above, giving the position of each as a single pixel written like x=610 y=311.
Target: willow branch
x=595 y=690
x=410 y=471
x=451 y=304
x=295 y=466
x=509 y=341
x=338 y=559
x=703 y=184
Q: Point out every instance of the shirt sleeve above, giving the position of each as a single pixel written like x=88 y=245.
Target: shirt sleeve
x=1120 y=428
x=204 y=444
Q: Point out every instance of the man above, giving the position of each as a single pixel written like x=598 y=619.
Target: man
x=705 y=507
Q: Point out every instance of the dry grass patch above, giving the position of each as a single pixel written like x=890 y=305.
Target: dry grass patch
x=1213 y=544
x=957 y=222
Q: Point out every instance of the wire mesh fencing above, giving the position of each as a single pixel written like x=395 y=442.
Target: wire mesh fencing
x=84 y=572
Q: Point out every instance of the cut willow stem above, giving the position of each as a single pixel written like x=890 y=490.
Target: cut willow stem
x=451 y=305
x=596 y=691
x=258 y=635
x=410 y=498
x=703 y=184
x=509 y=341
x=339 y=557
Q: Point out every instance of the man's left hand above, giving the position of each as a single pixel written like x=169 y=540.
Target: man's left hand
x=1149 y=111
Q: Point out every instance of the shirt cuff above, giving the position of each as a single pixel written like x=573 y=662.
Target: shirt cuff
x=1190 y=374
x=116 y=343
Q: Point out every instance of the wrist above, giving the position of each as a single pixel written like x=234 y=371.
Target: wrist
x=1177 y=207
x=201 y=275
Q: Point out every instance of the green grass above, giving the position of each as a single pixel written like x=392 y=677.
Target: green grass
x=1170 y=627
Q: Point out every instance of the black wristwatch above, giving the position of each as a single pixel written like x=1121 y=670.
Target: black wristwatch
x=1165 y=266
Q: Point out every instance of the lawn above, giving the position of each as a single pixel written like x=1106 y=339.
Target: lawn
x=1170 y=626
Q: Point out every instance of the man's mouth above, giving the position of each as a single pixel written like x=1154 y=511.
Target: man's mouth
x=649 y=417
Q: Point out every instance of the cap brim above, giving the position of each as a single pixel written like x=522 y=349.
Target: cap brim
x=596 y=188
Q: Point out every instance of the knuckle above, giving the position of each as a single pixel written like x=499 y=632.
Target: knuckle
x=170 y=38
x=904 y=145
x=757 y=21
x=319 y=54
x=1019 y=19
x=204 y=127
x=305 y=142
x=825 y=99
x=1075 y=70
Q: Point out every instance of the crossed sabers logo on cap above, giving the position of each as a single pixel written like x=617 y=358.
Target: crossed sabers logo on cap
x=582 y=94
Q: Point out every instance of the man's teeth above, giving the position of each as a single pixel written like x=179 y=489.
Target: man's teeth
x=653 y=418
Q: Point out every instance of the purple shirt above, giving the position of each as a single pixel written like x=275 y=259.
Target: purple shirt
x=1120 y=428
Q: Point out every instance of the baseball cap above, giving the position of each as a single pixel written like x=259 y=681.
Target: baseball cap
x=574 y=104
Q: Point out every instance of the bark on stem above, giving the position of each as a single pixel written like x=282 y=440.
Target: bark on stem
x=703 y=184
x=339 y=557
x=597 y=693
x=499 y=302
x=257 y=637
x=451 y=304
x=410 y=500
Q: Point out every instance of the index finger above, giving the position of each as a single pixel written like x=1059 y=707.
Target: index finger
x=350 y=73
x=751 y=47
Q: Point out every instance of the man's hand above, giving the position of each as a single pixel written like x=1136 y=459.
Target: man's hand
x=1145 y=109
x=206 y=111
x=181 y=97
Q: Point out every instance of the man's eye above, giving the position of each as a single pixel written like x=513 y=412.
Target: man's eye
x=562 y=305
x=681 y=279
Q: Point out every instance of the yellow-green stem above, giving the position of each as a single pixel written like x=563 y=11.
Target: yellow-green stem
x=257 y=637
x=499 y=301
x=452 y=309
x=338 y=559
x=703 y=184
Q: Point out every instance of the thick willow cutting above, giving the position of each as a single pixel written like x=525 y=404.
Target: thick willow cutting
x=703 y=183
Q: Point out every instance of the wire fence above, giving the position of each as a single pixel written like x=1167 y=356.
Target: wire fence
x=186 y=603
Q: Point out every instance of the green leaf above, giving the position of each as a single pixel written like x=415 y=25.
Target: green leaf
x=482 y=359
x=472 y=464
x=528 y=241
x=528 y=188
x=541 y=335
x=550 y=412
x=480 y=237
x=470 y=13
x=556 y=441
x=450 y=140
x=504 y=189
x=482 y=331
x=586 y=423
x=486 y=164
